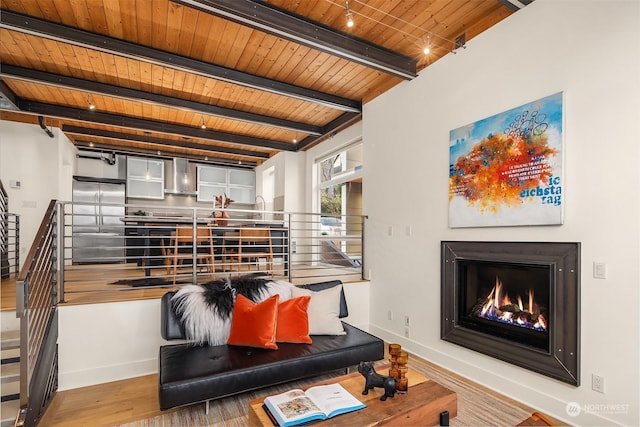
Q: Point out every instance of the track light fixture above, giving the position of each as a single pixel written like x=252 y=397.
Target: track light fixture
x=368 y=11
x=349 y=16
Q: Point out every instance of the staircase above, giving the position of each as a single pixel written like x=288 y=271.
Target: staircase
x=10 y=370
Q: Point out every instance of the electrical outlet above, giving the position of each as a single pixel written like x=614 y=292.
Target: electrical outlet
x=389 y=315
x=599 y=270
x=597 y=383
x=406 y=321
x=406 y=332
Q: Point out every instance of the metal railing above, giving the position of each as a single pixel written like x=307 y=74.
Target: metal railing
x=36 y=306
x=9 y=238
x=136 y=245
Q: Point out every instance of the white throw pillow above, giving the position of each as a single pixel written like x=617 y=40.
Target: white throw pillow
x=323 y=311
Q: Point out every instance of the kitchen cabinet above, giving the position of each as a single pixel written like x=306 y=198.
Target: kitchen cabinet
x=145 y=178
x=237 y=184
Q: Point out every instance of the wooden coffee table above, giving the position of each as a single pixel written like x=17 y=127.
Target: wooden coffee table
x=421 y=405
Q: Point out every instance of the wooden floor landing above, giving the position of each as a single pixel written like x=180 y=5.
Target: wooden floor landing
x=92 y=284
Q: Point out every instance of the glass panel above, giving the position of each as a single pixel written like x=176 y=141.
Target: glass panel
x=144 y=168
x=331 y=200
x=136 y=167
x=145 y=189
x=242 y=194
x=330 y=167
x=242 y=177
x=207 y=192
x=156 y=169
x=210 y=174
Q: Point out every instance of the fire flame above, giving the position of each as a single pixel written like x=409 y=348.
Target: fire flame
x=498 y=305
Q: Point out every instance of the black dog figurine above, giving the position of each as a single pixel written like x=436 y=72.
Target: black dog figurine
x=374 y=379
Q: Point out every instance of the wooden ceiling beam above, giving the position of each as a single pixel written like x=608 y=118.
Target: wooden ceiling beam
x=298 y=29
x=58 y=80
x=342 y=122
x=124 y=136
x=40 y=28
x=135 y=123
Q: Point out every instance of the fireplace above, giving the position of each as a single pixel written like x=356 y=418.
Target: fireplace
x=516 y=301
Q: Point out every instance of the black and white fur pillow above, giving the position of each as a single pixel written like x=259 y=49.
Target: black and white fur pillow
x=205 y=310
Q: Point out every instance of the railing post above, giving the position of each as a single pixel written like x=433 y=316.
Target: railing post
x=289 y=260
x=60 y=243
x=194 y=251
x=17 y=250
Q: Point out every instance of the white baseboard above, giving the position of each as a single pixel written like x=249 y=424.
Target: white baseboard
x=105 y=374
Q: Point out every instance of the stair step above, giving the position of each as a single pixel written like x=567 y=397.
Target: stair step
x=9 y=320
x=9 y=389
x=9 y=340
x=9 y=354
x=7 y=360
x=10 y=397
x=8 y=412
x=10 y=373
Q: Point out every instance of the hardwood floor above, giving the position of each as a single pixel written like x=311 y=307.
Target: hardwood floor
x=136 y=399
x=106 y=404
x=7 y=294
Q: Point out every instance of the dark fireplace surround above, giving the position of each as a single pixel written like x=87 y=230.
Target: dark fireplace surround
x=547 y=341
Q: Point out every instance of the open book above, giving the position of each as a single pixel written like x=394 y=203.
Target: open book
x=317 y=403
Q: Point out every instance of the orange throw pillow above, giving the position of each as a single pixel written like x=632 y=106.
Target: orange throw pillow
x=293 y=321
x=254 y=325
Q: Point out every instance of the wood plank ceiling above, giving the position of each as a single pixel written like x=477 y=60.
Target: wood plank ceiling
x=229 y=81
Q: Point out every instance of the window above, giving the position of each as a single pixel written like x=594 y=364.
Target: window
x=340 y=189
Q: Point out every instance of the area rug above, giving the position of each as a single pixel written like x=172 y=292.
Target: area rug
x=148 y=281
x=477 y=405
x=228 y=412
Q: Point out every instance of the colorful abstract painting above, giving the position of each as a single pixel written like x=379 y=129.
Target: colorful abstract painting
x=506 y=170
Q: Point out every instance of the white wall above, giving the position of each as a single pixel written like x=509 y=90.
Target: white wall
x=289 y=180
x=590 y=50
x=99 y=343
x=43 y=165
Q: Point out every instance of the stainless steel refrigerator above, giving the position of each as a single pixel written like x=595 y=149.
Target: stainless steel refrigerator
x=98 y=232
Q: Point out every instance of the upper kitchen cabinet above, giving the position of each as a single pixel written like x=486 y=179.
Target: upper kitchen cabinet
x=145 y=178
x=237 y=184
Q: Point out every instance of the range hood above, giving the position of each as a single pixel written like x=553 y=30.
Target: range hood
x=182 y=183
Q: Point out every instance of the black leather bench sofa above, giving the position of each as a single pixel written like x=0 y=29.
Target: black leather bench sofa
x=190 y=374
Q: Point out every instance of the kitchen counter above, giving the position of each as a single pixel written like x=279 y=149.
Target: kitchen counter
x=233 y=223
